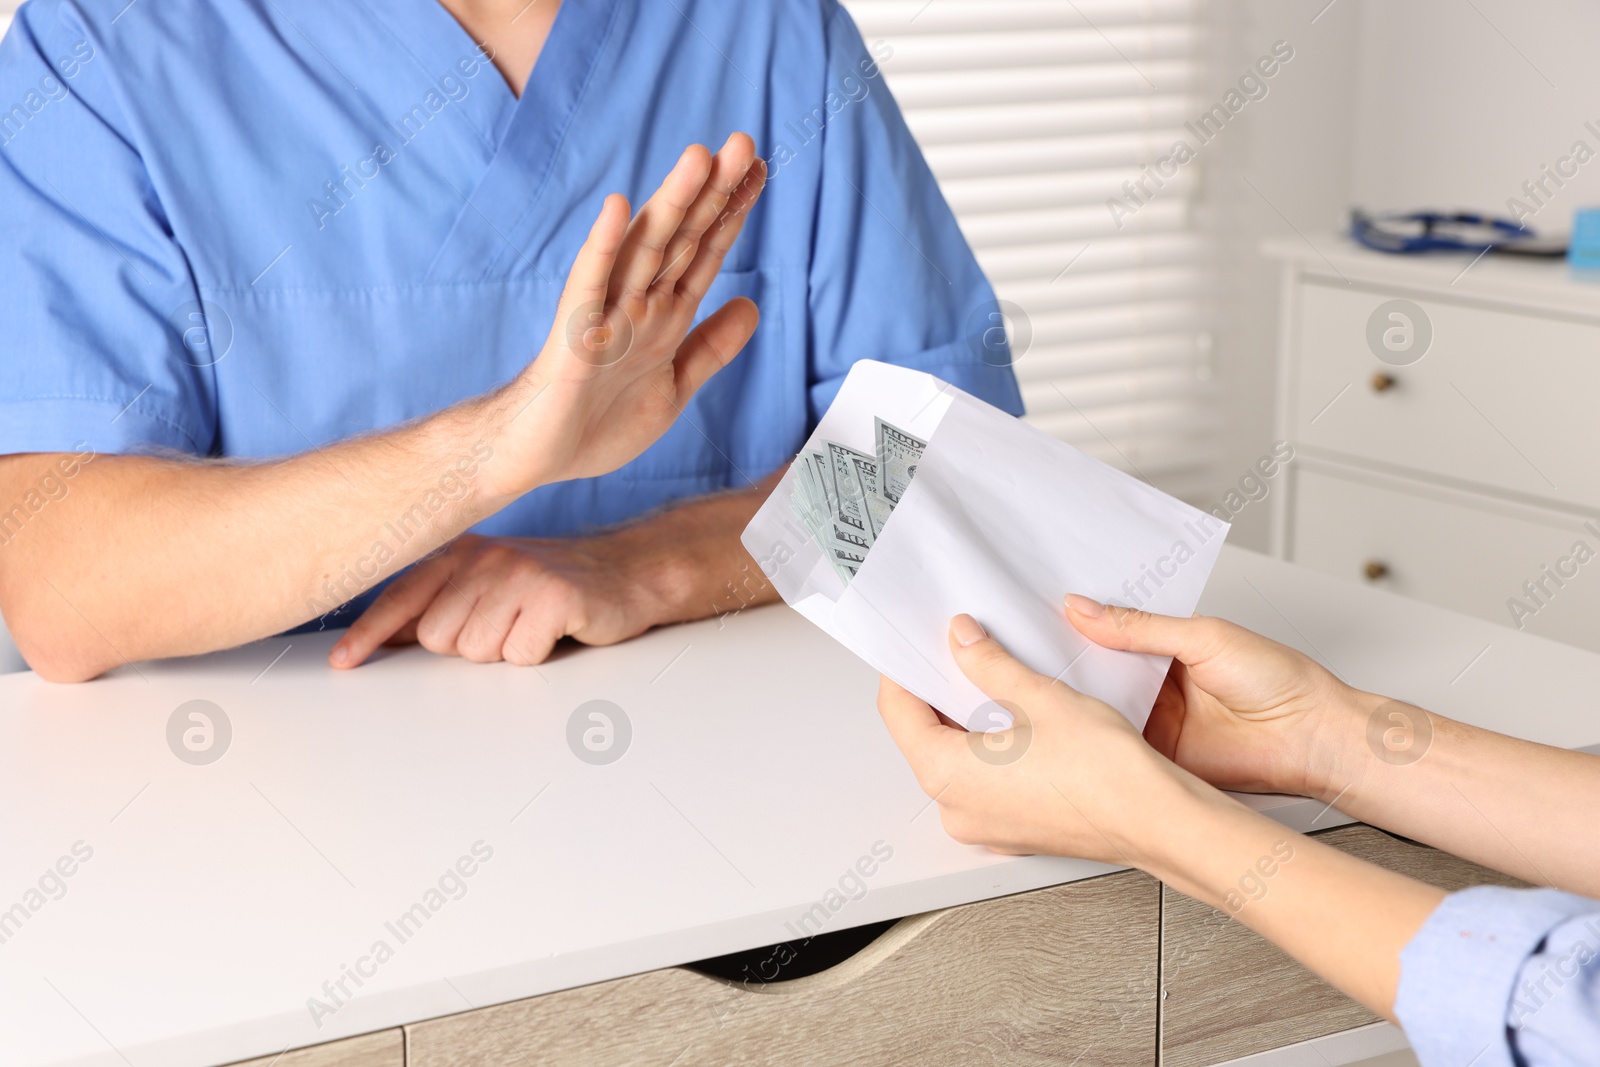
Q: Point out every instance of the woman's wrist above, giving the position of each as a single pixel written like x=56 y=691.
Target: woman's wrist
x=1338 y=744
x=1162 y=807
x=1209 y=846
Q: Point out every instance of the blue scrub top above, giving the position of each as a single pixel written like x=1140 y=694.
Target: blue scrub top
x=248 y=228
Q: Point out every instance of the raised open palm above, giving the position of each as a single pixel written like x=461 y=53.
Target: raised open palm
x=620 y=362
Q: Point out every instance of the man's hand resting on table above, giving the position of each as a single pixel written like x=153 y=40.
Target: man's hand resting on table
x=618 y=366
x=488 y=599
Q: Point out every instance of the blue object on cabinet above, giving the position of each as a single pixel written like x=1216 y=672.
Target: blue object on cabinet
x=1584 y=249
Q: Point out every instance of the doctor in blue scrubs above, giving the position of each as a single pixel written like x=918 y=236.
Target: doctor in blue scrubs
x=277 y=273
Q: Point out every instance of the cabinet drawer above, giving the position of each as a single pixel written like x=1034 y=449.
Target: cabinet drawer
x=1442 y=548
x=1500 y=398
x=1227 y=992
x=1060 y=975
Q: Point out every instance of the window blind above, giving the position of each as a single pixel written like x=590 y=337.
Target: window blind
x=1032 y=114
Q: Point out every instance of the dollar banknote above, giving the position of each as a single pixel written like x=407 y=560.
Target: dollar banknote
x=813 y=501
x=844 y=497
x=898 y=456
x=878 y=505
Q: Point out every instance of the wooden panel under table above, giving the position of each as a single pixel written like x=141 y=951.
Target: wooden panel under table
x=1227 y=992
x=1055 y=976
x=385 y=1048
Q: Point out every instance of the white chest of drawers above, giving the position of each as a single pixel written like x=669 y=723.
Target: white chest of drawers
x=1445 y=417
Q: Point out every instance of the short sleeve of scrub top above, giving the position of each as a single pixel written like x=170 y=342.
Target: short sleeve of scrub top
x=97 y=290
x=886 y=241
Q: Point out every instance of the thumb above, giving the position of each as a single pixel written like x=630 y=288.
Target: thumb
x=713 y=344
x=990 y=667
x=1131 y=630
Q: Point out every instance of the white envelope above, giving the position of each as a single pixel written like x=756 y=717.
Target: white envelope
x=1000 y=521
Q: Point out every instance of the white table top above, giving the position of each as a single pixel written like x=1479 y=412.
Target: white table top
x=219 y=898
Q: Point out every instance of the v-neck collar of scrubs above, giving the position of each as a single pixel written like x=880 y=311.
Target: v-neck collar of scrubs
x=437 y=44
x=525 y=133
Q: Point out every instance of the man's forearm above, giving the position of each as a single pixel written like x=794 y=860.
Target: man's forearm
x=147 y=557
x=690 y=560
x=1509 y=804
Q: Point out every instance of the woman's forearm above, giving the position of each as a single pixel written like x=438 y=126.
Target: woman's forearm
x=1341 y=917
x=1512 y=805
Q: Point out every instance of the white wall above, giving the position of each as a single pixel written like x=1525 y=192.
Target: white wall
x=1389 y=106
x=1283 y=164
x=1458 y=108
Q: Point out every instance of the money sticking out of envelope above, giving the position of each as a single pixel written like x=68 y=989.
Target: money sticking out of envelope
x=914 y=501
x=845 y=497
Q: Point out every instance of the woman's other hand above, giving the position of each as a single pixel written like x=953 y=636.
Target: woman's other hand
x=1237 y=709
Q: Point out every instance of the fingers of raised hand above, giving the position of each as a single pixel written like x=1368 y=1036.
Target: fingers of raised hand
x=729 y=168
x=584 y=325
x=591 y=272
x=656 y=224
x=713 y=246
x=639 y=278
x=712 y=346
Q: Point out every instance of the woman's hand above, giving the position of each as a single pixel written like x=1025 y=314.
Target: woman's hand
x=1246 y=713
x=1077 y=780
x=1071 y=777
x=1237 y=709
x=620 y=363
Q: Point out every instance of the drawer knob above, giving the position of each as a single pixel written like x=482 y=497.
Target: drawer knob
x=1375 y=569
x=1382 y=383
